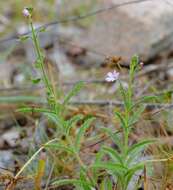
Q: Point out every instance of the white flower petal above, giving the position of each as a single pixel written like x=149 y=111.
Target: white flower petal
x=109 y=74
x=110 y=77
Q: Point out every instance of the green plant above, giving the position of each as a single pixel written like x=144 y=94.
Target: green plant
x=65 y=145
x=122 y=163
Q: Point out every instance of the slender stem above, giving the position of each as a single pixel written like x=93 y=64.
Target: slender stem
x=40 y=57
x=33 y=157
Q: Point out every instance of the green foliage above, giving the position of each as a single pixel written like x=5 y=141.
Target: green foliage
x=106 y=184
x=118 y=165
x=81 y=132
x=24 y=38
x=123 y=162
x=76 y=89
x=36 y=81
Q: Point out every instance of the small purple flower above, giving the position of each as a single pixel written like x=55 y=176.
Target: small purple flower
x=26 y=12
x=112 y=76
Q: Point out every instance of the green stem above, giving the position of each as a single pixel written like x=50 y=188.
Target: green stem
x=41 y=60
x=33 y=157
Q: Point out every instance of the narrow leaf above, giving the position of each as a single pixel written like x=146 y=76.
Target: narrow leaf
x=114 y=137
x=73 y=92
x=131 y=172
x=148 y=98
x=110 y=166
x=139 y=146
x=60 y=147
x=36 y=81
x=113 y=154
x=137 y=149
x=70 y=123
x=122 y=120
x=81 y=132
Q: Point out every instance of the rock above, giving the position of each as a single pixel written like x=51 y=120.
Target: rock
x=10 y=137
x=5 y=74
x=170 y=74
x=62 y=62
x=140 y=28
x=6 y=159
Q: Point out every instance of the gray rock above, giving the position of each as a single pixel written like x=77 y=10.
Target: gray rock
x=10 y=137
x=6 y=159
x=62 y=62
x=170 y=73
x=142 y=28
x=5 y=74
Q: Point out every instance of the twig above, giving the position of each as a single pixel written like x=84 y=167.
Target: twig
x=119 y=103
x=2 y=168
x=49 y=177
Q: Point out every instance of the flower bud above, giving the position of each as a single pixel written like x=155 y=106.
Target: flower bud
x=26 y=12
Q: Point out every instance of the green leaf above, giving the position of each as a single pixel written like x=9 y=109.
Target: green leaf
x=110 y=166
x=37 y=63
x=113 y=136
x=148 y=98
x=24 y=38
x=70 y=123
x=21 y=99
x=60 y=147
x=113 y=154
x=66 y=182
x=50 y=114
x=131 y=172
x=136 y=115
x=81 y=132
x=36 y=81
x=139 y=146
x=42 y=29
x=75 y=182
x=34 y=109
x=136 y=149
x=133 y=66
x=123 y=94
x=106 y=184
x=54 y=118
x=98 y=158
x=30 y=9
x=84 y=182
x=73 y=92
x=122 y=120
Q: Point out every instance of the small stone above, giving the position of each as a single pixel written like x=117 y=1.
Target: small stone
x=170 y=74
x=10 y=137
x=6 y=159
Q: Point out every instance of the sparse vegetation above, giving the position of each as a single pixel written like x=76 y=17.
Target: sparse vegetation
x=88 y=147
